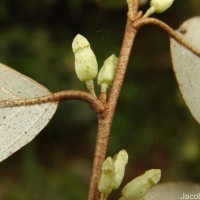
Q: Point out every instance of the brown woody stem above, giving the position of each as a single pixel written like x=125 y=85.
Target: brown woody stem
x=146 y=21
x=135 y=7
x=105 y=118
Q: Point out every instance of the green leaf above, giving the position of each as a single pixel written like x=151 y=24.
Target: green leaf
x=19 y=125
x=187 y=65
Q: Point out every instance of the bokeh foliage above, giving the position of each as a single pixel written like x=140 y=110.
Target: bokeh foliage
x=152 y=122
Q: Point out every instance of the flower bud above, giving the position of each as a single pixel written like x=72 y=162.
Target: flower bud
x=137 y=188
x=107 y=177
x=161 y=5
x=86 y=66
x=107 y=72
x=120 y=161
x=158 y=6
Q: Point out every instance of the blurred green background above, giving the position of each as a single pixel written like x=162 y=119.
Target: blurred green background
x=152 y=122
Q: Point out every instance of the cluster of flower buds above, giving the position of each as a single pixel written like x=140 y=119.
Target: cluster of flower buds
x=158 y=6
x=113 y=170
x=112 y=173
x=86 y=65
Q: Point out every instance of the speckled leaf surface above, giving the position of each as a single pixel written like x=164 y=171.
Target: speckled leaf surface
x=173 y=191
x=19 y=125
x=187 y=65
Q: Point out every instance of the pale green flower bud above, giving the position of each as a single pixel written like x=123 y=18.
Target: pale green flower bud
x=85 y=60
x=107 y=72
x=161 y=5
x=120 y=161
x=158 y=6
x=107 y=177
x=86 y=66
x=137 y=188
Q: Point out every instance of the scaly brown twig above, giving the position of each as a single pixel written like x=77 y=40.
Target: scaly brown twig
x=105 y=118
x=147 y=21
x=95 y=103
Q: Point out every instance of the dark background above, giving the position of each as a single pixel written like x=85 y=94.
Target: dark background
x=152 y=122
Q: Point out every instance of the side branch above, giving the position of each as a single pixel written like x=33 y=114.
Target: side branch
x=145 y=21
x=57 y=97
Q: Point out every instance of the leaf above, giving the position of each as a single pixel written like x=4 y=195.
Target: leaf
x=19 y=125
x=173 y=191
x=187 y=65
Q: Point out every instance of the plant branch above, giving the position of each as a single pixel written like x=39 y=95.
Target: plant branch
x=132 y=8
x=129 y=37
x=135 y=6
x=57 y=97
x=105 y=118
x=145 y=21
